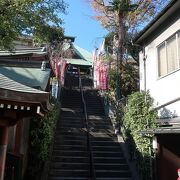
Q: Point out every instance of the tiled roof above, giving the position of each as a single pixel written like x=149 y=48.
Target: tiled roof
x=23 y=51
x=9 y=84
x=32 y=77
x=84 y=54
x=80 y=62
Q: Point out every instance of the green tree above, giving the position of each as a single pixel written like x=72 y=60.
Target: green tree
x=29 y=17
x=129 y=78
x=135 y=13
x=129 y=71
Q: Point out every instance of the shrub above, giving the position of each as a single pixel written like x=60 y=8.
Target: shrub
x=137 y=117
x=41 y=135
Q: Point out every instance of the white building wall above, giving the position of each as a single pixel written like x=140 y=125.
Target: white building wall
x=166 y=88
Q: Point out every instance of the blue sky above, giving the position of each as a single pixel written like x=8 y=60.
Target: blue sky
x=78 y=22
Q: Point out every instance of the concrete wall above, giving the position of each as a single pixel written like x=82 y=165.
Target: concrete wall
x=162 y=89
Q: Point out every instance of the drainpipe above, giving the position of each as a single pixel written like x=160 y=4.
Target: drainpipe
x=3 y=149
x=145 y=89
x=144 y=60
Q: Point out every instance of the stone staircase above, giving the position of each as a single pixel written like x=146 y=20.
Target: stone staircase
x=109 y=161
x=70 y=156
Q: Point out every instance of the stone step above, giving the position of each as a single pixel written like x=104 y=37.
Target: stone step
x=97 y=122
x=69 y=142
x=72 y=120
x=70 y=153
x=70 y=172
x=65 y=165
x=112 y=160
x=71 y=110
x=112 y=173
x=69 y=125
x=104 y=143
x=67 y=178
x=70 y=147
x=114 y=178
x=92 y=106
x=107 y=154
x=71 y=136
x=70 y=159
x=72 y=115
x=108 y=139
x=106 y=148
x=93 y=112
x=101 y=126
x=67 y=130
x=103 y=131
x=111 y=166
x=71 y=102
x=100 y=134
x=95 y=117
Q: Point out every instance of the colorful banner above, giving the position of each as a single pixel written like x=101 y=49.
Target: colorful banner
x=100 y=74
x=100 y=67
x=63 y=70
x=103 y=76
x=58 y=72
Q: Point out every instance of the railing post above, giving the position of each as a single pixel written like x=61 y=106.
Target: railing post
x=92 y=170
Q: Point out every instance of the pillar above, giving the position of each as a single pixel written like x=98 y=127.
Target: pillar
x=18 y=137
x=3 y=149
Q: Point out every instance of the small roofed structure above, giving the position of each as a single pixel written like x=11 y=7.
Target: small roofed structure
x=71 y=61
x=17 y=101
x=77 y=56
x=24 y=93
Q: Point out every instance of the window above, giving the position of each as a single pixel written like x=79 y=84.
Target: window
x=171 y=48
x=169 y=55
x=162 y=60
x=179 y=46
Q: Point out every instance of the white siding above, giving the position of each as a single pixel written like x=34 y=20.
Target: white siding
x=163 y=89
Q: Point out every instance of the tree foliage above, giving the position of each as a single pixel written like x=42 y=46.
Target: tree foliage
x=129 y=78
x=124 y=17
x=136 y=13
x=138 y=116
x=129 y=47
x=37 y=17
x=41 y=141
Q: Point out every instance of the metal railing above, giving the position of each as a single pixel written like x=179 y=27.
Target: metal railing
x=92 y=175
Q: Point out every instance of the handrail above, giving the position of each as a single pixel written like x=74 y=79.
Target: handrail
x=166 y=104
x=92 y=169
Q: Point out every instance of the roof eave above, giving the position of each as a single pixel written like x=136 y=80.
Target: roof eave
x=159 y=19
x=23 y=96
